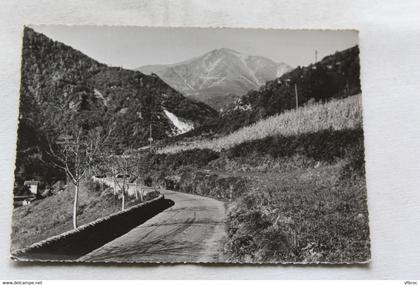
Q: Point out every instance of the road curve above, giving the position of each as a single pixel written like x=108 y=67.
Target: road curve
x=192 y=230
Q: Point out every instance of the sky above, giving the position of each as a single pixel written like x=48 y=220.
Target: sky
x=131 y=47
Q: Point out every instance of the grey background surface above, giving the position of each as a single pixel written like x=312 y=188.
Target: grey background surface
x=390 y=60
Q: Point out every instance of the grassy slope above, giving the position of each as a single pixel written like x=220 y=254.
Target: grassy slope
x=299 y=198
x=53 y=215
x=336 y=114
x=288 y=207
x=293 y=196
x=302 y=214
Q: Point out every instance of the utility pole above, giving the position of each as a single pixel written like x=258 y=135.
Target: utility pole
x=297 y=108
x=150 y=138
x=316 y=56
x=152 y=110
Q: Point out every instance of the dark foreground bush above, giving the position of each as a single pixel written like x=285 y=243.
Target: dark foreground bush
x=95 y=186
x=307 y=217
x=206 y=183
x=160 y=165
x=327 y=145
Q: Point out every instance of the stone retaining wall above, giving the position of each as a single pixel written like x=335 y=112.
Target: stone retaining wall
x=75 y=243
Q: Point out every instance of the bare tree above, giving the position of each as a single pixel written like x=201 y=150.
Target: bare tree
x=75 y=153
x=123 y=169
x=134 y=165
x=137 y=173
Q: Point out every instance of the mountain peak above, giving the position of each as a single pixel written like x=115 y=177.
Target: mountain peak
x=224 y=50
x=219 y=76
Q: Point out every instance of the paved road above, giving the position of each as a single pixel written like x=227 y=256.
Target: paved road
x=192 y=230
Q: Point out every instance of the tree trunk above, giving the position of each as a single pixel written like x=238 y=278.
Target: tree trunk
x=76 y=197
x=141 y=193
x=123 y=201
x=137 y=191
x=123 y=196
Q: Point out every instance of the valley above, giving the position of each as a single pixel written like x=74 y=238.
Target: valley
x=264 y=163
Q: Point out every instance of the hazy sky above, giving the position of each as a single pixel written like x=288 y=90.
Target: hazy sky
x=132 y=47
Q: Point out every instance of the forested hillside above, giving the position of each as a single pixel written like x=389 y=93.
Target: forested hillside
x=61 y=87
x=335 y=76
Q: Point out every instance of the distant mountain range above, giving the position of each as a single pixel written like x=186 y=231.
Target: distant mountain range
x=218 y=77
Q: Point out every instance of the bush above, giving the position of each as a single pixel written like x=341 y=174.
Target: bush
x=151 y=195
x=222 y=187
x=158 y=166
x=327 y=145
x=93 y=186
x=172 y=182
x=196 y=157
x=301 y=219
x=355 y=165
x=148 y=181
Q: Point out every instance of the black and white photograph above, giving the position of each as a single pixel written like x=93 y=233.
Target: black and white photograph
x=190 y=145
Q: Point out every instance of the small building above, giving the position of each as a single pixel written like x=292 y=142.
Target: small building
x=32 y=186
x=25 y=200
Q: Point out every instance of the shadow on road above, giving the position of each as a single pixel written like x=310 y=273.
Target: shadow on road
x=73 y=246
x=153 y=245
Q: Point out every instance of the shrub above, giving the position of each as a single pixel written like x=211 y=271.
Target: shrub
x=151 y=195
x=301 y=218
x=326 y=145
x=222 y=187
x=148 y=181
x=158 y=166
x=93 y=186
